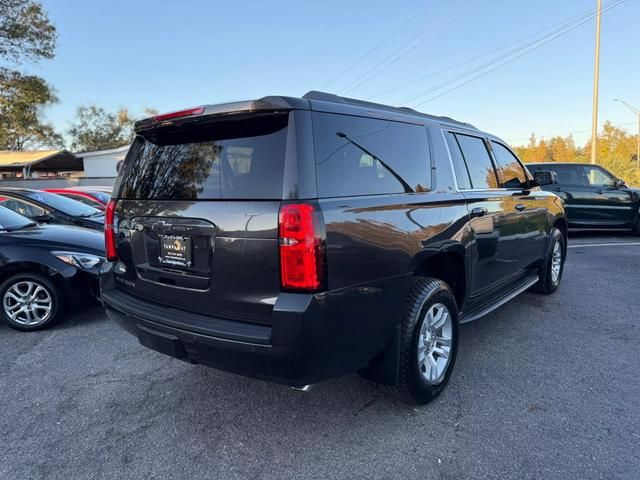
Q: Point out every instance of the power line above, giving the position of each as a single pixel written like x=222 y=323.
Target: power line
x=520 y=139
x=518 y=52
x=540 y=44
x=398 y=53
x=376 y=47
x=477 y=57
x=378 y=66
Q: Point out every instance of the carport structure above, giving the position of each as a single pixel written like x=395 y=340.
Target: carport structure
x=24 y=163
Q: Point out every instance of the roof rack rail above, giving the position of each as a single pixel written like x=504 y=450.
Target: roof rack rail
x=331 y=97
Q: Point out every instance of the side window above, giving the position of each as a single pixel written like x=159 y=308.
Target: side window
x=81 y=199
x=23 y=208
x=364 y=156
x=513 y=174
x=478 y=161
x=459 y=167
x=566 y=174
x=599 y=177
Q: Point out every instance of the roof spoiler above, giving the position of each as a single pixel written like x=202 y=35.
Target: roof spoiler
x=265 y=104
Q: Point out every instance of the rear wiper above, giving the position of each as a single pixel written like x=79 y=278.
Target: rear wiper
x=405 y=185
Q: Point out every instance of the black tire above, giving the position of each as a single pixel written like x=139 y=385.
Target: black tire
x=39 y=280
x=412 y=386
x=636 y=228
x=547 y=283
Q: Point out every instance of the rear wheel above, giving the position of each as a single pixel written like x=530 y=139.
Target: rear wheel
x=553 y=265
x=30 y=302
x=429 y=341
x=636 y=228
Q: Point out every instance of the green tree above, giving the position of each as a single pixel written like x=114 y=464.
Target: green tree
x=22 y=98
x=95 y=128
x=26 y=34
x=616 y=152
x=25 y=31
x=562 y=149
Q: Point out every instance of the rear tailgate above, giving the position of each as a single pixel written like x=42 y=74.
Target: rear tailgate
x=197 y=210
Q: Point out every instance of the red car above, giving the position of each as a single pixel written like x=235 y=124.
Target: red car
x=97 y=197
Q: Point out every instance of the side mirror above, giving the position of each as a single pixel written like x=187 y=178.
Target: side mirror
x=44 y=218
x=619 y=183
x=545 y=177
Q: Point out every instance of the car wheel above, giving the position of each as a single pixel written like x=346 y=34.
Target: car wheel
x=429 y=341
x=636 y=228
x=553 y=265
x=30 y=302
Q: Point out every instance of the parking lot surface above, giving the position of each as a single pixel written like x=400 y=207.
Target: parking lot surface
x=544 y=388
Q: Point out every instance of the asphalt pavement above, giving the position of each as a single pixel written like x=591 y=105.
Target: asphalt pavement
x=544 y=388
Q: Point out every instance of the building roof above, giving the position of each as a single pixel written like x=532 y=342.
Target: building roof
x=106 y=151
x=14 y=158
x=51 y=160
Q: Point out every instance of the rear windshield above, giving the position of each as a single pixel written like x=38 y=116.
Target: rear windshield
x=231 y=159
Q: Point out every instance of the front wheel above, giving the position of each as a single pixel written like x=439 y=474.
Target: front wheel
x=429 y=341
x=30 y=302
x=553 y=265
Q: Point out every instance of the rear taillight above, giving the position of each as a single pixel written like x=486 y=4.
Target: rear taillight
x=302 y=246
x=109 y=231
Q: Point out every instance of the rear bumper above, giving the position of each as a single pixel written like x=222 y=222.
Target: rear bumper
x=312 y=338
x=249 y=359
x=80 y=287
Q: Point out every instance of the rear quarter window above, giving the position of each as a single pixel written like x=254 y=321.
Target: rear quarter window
x=364 y=156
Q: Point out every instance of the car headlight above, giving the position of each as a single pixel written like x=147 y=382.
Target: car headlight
x=85 y=261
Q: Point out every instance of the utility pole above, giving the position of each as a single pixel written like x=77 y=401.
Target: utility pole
x=596 y=77
x=637 y=112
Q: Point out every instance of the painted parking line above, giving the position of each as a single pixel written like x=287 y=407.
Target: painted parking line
x=614 y=244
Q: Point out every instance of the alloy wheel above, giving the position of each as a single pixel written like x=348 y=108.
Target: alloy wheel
x=556 y=263
x=28 y=303
x=434 y=343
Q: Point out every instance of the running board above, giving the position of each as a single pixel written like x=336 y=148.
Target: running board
x=476 y=314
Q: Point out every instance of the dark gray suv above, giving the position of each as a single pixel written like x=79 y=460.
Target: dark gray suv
x=298 y=239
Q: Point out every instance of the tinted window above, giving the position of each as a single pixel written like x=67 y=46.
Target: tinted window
x=81 y=199
x=513 y=175
x=104 y=197
x=363 y=156
x=478 y=161
x=598 y=176
x=10 y=220
x=240 y=158
x=460 y=168
x=21 y=207
x=566 y=174
x=63 y=204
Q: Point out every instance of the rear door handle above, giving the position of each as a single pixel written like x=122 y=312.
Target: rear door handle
x=520 y=207
x=479 y=212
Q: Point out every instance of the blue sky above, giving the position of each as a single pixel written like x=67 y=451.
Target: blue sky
x=169 y=55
